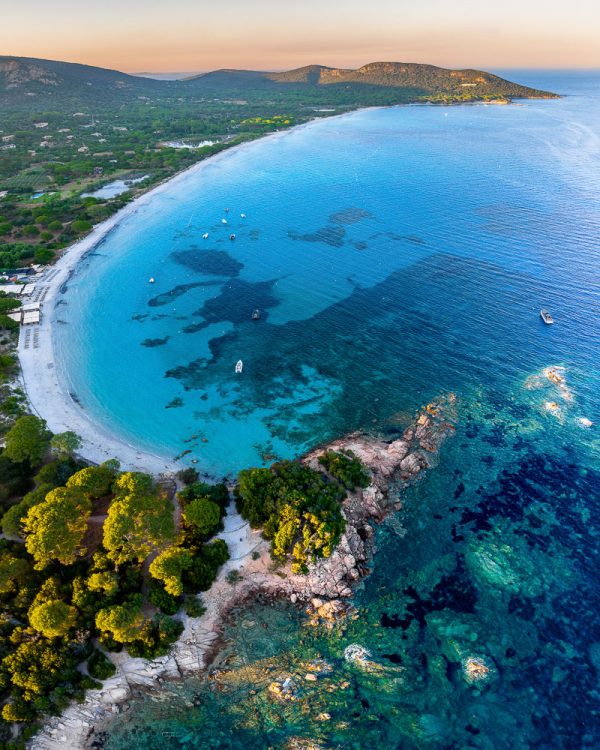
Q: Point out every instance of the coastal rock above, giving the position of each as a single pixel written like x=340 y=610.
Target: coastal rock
x=412 y=465
x=325 y=589
x=357 y=654
x=284 y=689
x=477 y=669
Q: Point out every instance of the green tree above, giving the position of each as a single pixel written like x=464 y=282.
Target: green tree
x=139 y=520
x=13 y=571
x=37 y=666
x=65 y=444
x=106 y=582
x=12 y=520
x=79 y=226
x=53 y=619
x=43 y=255
x=27 y=440
x=55 y=527
x=18 y=711
x=169 y=566
x=95 y=481
x=288 y=526
x=122 y=621
x=204 y=515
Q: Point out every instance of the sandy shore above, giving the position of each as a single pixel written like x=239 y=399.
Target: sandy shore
x=43 y=383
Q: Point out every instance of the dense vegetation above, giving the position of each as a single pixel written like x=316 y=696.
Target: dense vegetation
x=346 y=468
x=298 y=508
x=91 y=561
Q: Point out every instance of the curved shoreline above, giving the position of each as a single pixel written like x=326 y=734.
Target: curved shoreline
x=44 y=381
x=44 y=385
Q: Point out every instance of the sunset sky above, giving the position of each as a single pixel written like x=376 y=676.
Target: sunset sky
x=192 y=35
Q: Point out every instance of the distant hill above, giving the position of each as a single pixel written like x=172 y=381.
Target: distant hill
x=33 y=82
x=427 y=79
x=30 y=77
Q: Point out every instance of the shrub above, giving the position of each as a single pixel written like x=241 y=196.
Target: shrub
x=44 y=255
x=188 y=476
x=203 y=515
x=167 y=603
x=193 y=607
x=100 y=666
x=346 y=468
x=79 y=226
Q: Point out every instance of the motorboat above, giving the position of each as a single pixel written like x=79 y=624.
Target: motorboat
x=256 y=314
x=239 y=366
x=546 y=317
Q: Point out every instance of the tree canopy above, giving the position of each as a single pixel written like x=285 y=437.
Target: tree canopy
x=122 y=621
x=169 y=566
x=140 y=519
x=298 y=507
x=95 y=481
x=55 y=527
x=204 y=515
x=27 y=440
x=65 y=444
x=52 y=619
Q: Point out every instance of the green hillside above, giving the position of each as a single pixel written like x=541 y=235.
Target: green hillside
x=31 y=83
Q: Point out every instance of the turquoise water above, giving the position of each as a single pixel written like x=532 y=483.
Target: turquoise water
x=395 y=254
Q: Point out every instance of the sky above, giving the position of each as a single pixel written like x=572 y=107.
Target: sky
x=195 y=35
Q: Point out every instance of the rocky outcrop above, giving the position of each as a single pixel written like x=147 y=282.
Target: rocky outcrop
x=392 y=466
x=325 y=590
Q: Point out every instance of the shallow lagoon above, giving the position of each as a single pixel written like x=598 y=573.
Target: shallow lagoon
x=395 y=254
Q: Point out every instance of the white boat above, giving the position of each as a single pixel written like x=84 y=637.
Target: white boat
x=546 y=317
x=232 y=236
x=223 y=221
x=239 y=366
x=205 y=236
x=243 y=216
x=151 y=280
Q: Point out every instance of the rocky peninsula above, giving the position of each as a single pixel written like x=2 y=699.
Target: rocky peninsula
x=325 y=591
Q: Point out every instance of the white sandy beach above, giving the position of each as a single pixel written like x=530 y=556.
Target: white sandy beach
x=49 y=398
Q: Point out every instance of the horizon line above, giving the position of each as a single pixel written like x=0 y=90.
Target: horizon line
x=278 y=69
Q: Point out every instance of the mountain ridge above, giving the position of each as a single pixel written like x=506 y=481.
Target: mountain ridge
x=35 y=76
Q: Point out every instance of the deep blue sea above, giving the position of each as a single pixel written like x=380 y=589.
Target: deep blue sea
x=395 y=255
